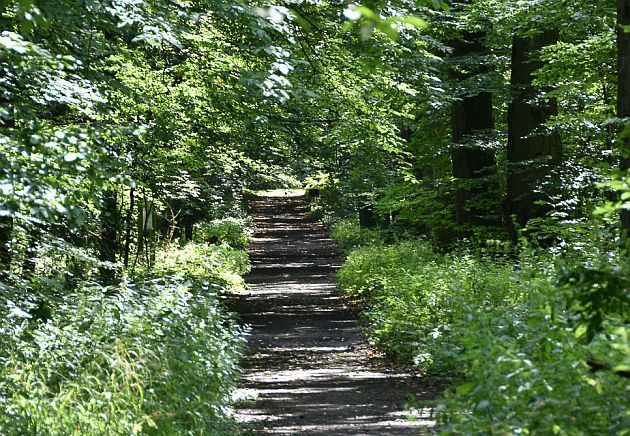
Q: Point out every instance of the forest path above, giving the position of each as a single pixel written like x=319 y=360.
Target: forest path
x=308 y=368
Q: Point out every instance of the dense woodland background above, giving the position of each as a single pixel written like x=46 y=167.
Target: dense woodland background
x=471 y=158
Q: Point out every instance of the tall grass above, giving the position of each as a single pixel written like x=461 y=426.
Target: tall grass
x=156 y=355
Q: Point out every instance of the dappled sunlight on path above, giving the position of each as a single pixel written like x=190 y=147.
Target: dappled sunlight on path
x=308 y=369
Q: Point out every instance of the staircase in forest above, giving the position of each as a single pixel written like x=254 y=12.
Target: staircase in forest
x=308 y=370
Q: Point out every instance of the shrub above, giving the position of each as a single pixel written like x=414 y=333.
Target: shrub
x=219 y=266
x=327 y=197
x=348 y=235
x=507 y=333
x=234 y=232
x=157 y=356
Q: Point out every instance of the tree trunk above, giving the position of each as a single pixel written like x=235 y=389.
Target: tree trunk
x=472 y=164
x=146 y=231
x=530 y=154
x=367 y=217
x=109 y=234
x=6 y=229
x=188 y=222
x=623 y=95
x=175 y=221
x=129 y=224
x=30 y=255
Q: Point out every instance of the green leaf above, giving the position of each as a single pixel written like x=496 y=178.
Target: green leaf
x=581 y=331
x=389 y=28
x=17 y=312
x=622 y=367
x=367 y=13
x=465 y=388
x=414 y=21
x=439 y=4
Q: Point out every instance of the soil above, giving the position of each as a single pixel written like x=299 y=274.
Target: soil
x=308 y=369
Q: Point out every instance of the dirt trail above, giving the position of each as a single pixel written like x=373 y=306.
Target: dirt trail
x=308 y=368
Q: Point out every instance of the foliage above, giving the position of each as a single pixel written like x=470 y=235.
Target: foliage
x=128 y=128
x=517 y=331
x=117 y=134
x=506 y=332
x=325 y=197
x=414 y=295
x=157 y=356
x=348 y=235
x=231 y=231
x=220 y=266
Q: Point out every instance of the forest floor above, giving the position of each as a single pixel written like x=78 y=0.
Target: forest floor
x=308 y=369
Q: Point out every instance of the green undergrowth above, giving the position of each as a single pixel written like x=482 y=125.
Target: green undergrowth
x=156 y=354
x=348 y=235
x=234 y=232
x=506 y=331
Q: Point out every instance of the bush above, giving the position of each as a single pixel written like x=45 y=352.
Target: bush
x=219 y=266
x=157 y=356
x=348 y=235
x=234 y=232
x=327 y=198
x=507 y=333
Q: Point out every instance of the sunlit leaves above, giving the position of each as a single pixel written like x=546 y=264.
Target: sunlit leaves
x=13 y=41
x=620 y=185
x=46 y=180
x=441 y=4
x=373 y=21
x=107 y=345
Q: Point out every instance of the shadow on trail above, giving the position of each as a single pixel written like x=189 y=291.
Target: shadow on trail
x=308 y=369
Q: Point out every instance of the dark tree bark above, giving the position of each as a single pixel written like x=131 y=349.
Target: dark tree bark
x=6 y=229
x=531 y=155
x=33 y=236
x=472 y=114
x=367 y=217
x=623 y=96
x=129 y=223
x=109 y=234
x=188 y=222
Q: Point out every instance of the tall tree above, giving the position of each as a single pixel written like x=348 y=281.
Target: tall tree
x=623 y=90
x=531 y=153
x=109 y=233
x=471 y=114
x=6 y=226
